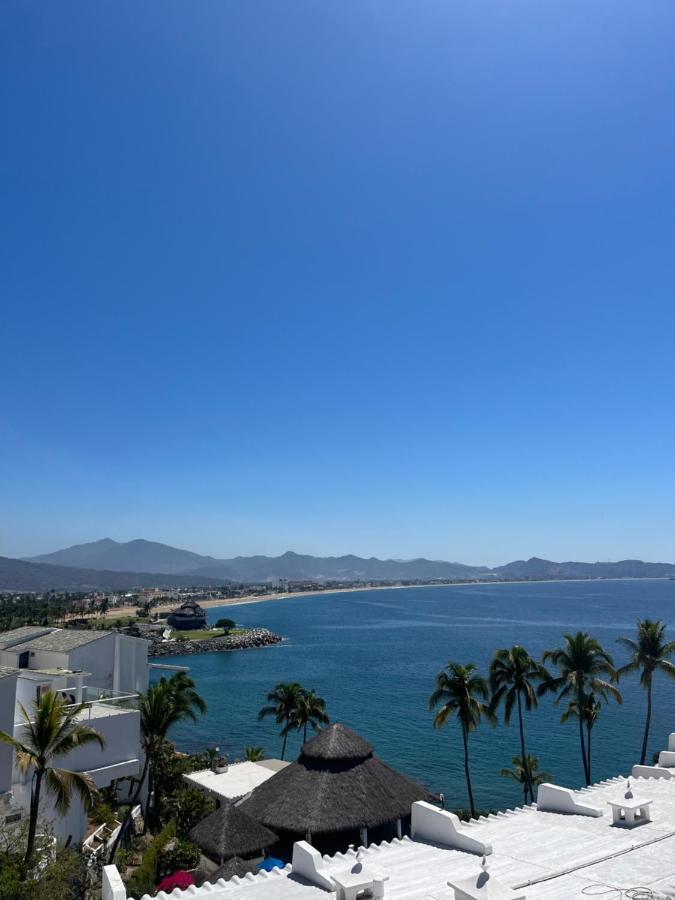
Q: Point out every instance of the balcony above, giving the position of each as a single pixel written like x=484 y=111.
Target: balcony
x=102 y=703
x=115 y=716
x=98 y=703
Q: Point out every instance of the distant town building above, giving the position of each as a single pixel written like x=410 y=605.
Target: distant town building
x=187 y=617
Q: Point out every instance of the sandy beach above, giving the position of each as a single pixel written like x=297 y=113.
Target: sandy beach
x=263 y=598
x=116 y=611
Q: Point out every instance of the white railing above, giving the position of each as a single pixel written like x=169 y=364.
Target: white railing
x=109 y=706
x=96 y=702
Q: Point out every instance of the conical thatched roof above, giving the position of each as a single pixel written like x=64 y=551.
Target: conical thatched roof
x=337 y=742
x=234 y=866
x=336 y=784
x=230 y=832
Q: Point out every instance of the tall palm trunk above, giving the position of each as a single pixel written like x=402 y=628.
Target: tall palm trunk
x=148 y=818
x=523 y=755
x=584 y=757
x=589 y=728
x=467 y=772
x=283 y=746
x=34 y=811
x=648 y=721
x=304 y=734
x=132 y=803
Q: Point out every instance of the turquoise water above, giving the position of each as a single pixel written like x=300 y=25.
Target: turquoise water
x=373 y=656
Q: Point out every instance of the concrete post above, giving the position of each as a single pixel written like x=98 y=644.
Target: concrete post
x=112 y=886
x=363 y=836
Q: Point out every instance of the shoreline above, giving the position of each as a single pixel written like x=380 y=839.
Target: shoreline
x=116 y=611
x=252 y=639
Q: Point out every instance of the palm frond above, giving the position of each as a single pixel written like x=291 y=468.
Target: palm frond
x=63 y=784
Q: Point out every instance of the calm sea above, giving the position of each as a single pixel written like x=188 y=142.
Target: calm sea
x=373 y=656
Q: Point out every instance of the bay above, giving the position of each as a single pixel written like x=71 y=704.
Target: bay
x=373 y=656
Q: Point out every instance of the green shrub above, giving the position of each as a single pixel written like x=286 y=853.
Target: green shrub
x=102 y=813
x=254 y=754
x=123 y=860
x=63 y=878
x=184 y=855
x=185 y=807
x=145 y=878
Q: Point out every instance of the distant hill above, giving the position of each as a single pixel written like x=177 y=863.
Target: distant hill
x=121 y=565
x=149 y=556
x=536 y=568
x=19 y=575
x=132 y=556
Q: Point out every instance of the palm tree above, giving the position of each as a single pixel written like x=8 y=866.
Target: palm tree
x=590 y=711
x=283 y=704
x=584 y=668
x=461 y=692
x=513 y=674
x=311 y=710
x=526 y=773
x=165 y=703
x=254 y=754
x=649 y=653
x=52 y=731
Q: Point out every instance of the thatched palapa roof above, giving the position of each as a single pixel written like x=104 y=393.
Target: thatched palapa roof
x=336 y=784
x=234 y=866
x=230 y=832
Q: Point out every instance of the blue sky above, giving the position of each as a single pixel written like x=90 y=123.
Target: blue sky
x=391 y=278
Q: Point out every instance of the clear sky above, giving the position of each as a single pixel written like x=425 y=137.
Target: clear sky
x=391 y=278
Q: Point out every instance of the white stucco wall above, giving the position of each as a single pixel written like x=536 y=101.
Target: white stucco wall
x=132 y=664
x=27 y=689
x=119 y=758
x=7 y=693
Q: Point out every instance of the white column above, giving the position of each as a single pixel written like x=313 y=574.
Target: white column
x=116 y=664
x=112 y=884
x=399 y=829
x=363 y=835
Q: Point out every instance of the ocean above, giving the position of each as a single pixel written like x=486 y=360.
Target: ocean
x=373 y=656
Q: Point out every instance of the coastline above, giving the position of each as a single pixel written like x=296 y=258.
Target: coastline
x=116 y=611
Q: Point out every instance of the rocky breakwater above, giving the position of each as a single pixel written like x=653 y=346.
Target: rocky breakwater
x=246 y=640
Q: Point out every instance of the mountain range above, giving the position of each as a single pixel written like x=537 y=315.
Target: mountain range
x=150 y=556
x=22 y=575
x=113 y=565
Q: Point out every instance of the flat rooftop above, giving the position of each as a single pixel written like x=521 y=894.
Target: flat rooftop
x=551 y=856
x=240 y=779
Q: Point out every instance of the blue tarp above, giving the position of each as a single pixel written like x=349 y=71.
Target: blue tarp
x=270 y=863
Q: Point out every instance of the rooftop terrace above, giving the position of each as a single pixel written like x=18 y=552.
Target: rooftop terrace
x=550 y=856
x=564 y=848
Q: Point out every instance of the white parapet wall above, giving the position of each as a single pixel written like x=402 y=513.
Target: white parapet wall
x=308 y=863
x=651 y=772
x=112 y=885
x=552 y=798
x=667 y=757
x=438 y=826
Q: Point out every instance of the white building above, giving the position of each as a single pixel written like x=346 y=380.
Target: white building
x=568 y=846
x=102 y=669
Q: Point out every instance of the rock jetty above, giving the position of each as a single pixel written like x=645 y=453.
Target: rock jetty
x=247 y=640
